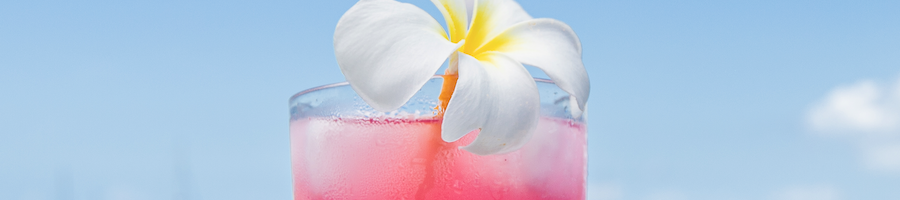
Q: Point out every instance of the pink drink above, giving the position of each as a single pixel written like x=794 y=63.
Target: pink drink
x=334 y=158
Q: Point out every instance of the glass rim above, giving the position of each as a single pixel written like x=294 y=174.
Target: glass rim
x=338 y=84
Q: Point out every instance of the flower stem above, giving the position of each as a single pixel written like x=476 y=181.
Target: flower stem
x=446 y=91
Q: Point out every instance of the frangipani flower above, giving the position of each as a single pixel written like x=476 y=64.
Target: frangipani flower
x=388 y=50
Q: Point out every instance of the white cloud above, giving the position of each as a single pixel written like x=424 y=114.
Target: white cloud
x=862 y=108
x=808 y=193
x=867 y=114
x=883 y=157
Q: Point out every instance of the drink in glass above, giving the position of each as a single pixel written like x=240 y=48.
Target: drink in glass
x=343 y=149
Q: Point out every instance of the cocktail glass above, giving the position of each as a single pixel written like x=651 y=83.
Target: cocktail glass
x=343 y=149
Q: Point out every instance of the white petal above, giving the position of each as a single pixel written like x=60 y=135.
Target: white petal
x=454 y=12
x=490 y=18
x=471 y=103
x=552 y=46
x=574 y=108
x=387 y=50
x=497 y=95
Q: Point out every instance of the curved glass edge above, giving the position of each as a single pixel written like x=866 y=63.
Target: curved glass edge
x=339 y=100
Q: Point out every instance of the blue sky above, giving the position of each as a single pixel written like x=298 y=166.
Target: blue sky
x=111 y=100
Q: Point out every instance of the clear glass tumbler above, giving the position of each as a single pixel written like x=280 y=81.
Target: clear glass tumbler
x=343 y=149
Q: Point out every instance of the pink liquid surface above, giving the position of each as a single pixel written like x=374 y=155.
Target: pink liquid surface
x=406 y=159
